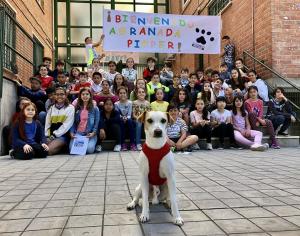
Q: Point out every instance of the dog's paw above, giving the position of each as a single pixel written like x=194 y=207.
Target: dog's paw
x=144 y=218
x=178 y=221
x=131 y=205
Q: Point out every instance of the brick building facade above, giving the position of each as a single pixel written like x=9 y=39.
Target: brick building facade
x=31 y=36
x=267 y=29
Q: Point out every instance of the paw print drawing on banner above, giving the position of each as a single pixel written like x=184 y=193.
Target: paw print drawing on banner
x=204 y=37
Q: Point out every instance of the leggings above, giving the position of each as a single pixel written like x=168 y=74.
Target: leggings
x=222 y=131
x=202 y=132
x=269 y=125
x=37 y=152
x=257 y=135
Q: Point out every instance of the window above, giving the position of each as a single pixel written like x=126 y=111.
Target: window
x=76 y=19
x=38 y=53
x=216 y=6
x=9 y=57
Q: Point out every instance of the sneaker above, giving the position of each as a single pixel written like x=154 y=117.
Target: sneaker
x=139 y=147
x=258 y=147
x=275 y=146
x=209 y=146
x=266 y=145
x=98 y=148
x=195 y=146
x=11 y=153
x=124 y=147
x=117 y=148
x=133 y=147
x=283 y=134
x=278 y=128
x=221 y=146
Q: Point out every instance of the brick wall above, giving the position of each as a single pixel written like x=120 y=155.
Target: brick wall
x=37 y=22
x=286 y=37
x=275 y=40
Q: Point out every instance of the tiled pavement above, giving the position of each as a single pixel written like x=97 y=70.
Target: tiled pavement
x=219 y=193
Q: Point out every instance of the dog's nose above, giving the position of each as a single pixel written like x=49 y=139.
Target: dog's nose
x=157 y=133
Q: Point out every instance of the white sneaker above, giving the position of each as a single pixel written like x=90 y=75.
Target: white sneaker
x=195 y=146
x=98 y=148
x=258 y=147
x=209 y=146
x=117 y=148
x=266 y=145
x=139 y=147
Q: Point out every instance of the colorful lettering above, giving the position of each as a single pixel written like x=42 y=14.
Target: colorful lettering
x=118 y=18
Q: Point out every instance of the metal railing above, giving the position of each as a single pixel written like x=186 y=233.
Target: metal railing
x=277 y=80
x=16 y=47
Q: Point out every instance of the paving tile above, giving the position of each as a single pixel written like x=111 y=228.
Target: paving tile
x=90 y=231
x=123 y=230
x=13 y=225
x=88 y=210
x=294 y=219
x=47 y=223
x=202 y=228
x=254 y=212
x=284 y=210
x=21 y=214
x=121 y=219
x=210 y=204
x=57 y=211
x=222 y=214
x=31 y=205
x=266 y=201
x=274 y=224
x=190 y=216
x=286 y=233
x=238 y=202
x=84 y=221
x=238 y=226
x=50 y=232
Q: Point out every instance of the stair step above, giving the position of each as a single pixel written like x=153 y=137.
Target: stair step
x=284 y=141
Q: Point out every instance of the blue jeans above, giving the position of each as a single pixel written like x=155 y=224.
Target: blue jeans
x=91 y=145
x=130 y=124
x=42 y=117
x=138 y=132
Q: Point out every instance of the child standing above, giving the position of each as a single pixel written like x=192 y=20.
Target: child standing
x=86 y=120
x=177 y=131
x=200 y=121
x=242 y=128
x=139 y=106
x=90 y=49
x=222 y=123
x=124 y=106
x=130 y=74
x=159 y=104
x=154 y=84
x=254 y=107
x=29 y=140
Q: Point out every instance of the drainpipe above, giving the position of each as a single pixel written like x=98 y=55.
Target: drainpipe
x=253 y=32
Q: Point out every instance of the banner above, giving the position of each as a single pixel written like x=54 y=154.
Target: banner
x=161 y=33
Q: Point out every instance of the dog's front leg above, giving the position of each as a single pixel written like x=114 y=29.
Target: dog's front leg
x=145 y=194
x=174 y=207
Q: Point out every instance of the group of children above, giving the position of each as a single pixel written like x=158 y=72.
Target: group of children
x=104 y=105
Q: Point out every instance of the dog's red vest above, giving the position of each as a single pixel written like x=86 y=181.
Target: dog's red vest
x=154 y=157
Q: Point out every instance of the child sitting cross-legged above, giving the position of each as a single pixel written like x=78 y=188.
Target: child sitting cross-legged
x=178 y=138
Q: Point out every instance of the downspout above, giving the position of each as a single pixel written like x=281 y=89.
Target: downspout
x=253 y=33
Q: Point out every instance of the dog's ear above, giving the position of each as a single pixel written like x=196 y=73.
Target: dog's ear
x=142 y=117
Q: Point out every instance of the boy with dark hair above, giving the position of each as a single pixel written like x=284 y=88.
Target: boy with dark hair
x=184 y=77
x=224 y=73
x=90 y=49
x=59 y=67
x=228 y=53
x=166 y=74
x=150 y=69
x=46 y=80
x=62 y=82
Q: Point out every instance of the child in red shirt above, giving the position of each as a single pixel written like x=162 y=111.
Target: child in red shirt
x=46 y=80
x=255 y=109
x=83 y=83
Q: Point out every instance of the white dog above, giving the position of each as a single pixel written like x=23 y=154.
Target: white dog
x=156 y=165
